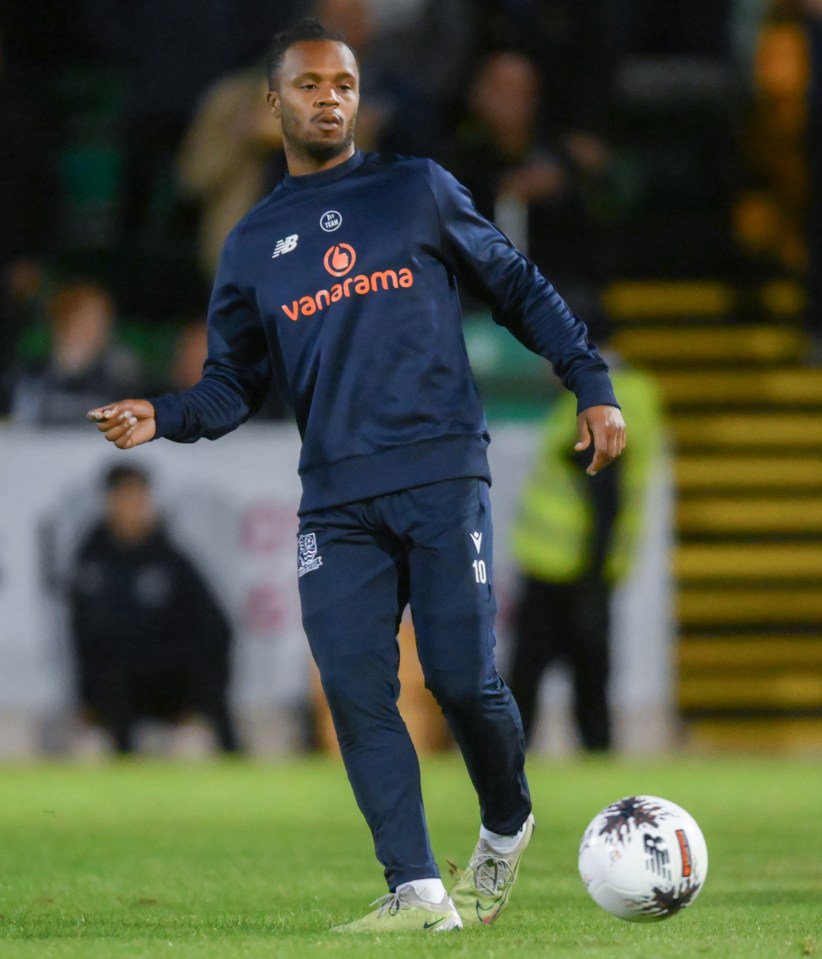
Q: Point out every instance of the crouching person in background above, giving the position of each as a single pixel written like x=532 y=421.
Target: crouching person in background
x=148 y=636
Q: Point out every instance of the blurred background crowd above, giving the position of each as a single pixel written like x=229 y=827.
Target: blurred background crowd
x=610 y=139
x=660 y=160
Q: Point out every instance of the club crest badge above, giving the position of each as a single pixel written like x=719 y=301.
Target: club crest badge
x=331 y=220
x=307 y=558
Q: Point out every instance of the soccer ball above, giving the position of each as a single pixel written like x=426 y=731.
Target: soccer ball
x=643 y=858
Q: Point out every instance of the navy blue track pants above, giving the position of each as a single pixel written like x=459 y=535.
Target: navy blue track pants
x=359 y=566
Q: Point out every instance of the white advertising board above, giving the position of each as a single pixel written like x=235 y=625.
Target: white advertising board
x=233 y=505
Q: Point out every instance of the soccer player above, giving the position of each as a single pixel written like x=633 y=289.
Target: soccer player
x=343 y=284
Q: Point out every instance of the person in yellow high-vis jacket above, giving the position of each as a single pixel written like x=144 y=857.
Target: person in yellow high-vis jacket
x=575 y=537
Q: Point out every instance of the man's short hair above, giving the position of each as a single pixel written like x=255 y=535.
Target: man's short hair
x=303 y=31
x=76 y=293
x=121 y=474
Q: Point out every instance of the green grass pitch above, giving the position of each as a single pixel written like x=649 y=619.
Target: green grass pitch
x=237 y=859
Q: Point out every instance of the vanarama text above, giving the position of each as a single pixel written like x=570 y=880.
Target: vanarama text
x=360 y=284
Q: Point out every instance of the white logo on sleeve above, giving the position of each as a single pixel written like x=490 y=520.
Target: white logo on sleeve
x=307 y=558
x=476 y=539
x=286 y=245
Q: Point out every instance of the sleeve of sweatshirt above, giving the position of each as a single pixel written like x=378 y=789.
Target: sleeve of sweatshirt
x=520 y=297
x=237 y=373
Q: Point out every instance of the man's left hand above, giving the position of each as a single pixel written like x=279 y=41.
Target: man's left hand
x=605 y=425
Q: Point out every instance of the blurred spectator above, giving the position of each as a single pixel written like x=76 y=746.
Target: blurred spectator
x=532 y=186
x=84 y=365
x=573 y=44
x=577 y=537
x=148 y=637
x=231 y=157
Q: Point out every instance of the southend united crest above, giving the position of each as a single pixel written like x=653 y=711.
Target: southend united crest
x=307 y=558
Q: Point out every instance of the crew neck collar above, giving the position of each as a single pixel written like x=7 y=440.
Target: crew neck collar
x=324 y=176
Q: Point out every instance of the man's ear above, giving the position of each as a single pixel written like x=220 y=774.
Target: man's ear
x=273 y=102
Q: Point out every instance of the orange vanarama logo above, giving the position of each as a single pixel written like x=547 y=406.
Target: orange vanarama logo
x=340 y=259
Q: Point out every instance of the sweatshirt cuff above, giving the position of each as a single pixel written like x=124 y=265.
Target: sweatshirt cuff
x=597 y=390
x=168 y=415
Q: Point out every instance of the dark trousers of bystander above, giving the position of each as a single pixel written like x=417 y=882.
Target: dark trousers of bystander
x=567 y=624
x=120 y=694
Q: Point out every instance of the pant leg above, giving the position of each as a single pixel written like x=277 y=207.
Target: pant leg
x=448 y=528
x=209 y=695
x=589 y=658
x=353 y=587
x=113 y=701
x=538 y=619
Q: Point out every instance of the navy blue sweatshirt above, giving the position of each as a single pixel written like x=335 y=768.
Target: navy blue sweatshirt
x=344 y=284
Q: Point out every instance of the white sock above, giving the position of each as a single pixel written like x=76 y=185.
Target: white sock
x=431 y=890
x=502 y=844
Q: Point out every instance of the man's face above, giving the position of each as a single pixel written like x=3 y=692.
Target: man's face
x=131 y=514
x=505 y=93
x=316 y=101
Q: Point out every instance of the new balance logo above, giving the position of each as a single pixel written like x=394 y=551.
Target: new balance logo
x=476 y=539
x=285 y=245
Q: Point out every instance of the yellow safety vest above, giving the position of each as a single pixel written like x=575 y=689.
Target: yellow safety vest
x=554 y=526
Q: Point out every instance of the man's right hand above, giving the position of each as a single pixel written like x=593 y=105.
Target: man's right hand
x=125 y=423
